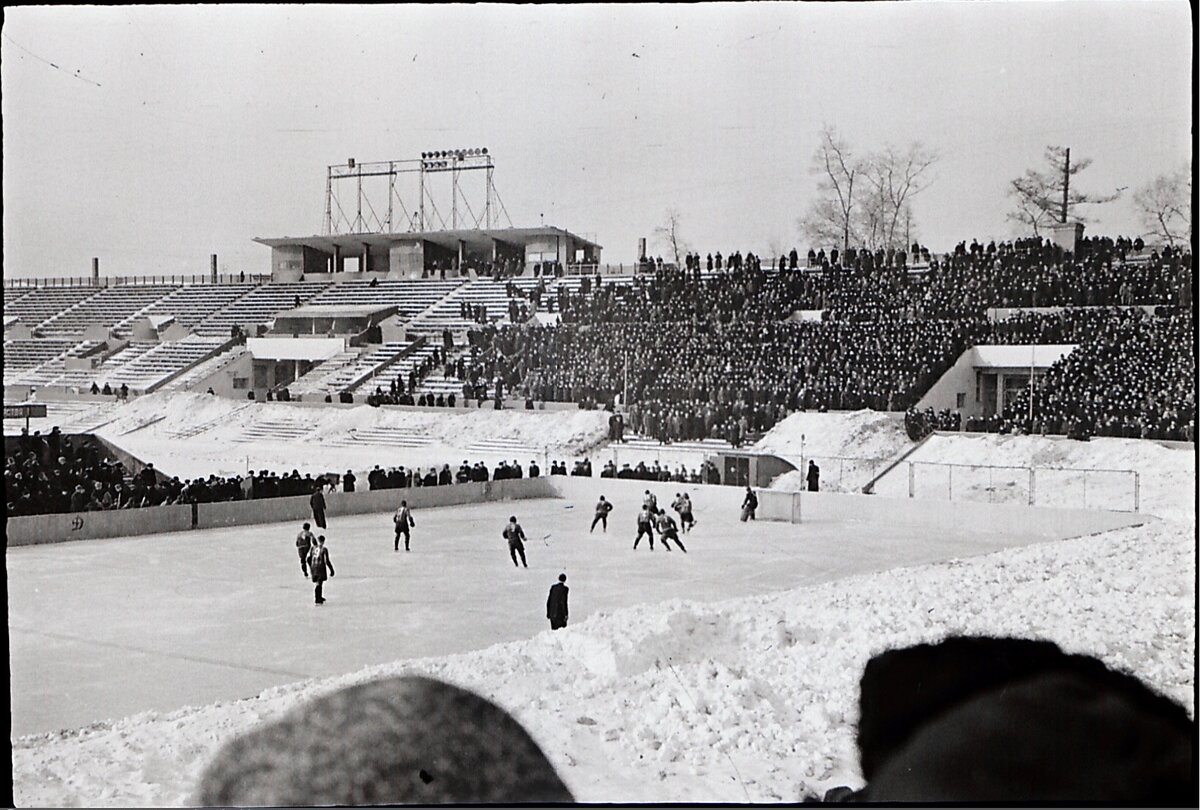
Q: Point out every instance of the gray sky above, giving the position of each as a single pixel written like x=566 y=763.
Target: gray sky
x=165 y=134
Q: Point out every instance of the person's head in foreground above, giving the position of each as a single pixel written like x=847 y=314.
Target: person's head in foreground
x=1006 y=719
x=400 y=740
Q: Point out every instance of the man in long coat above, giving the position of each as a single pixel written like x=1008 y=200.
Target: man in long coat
x=317 y=501
x=556 y=603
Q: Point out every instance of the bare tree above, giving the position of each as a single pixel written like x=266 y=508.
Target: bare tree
x=831 y=216
x=1047 y=196
x=895 y=177
x=1164 y=207
x=667 y=235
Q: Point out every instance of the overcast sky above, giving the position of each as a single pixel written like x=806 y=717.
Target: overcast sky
x=154 y=136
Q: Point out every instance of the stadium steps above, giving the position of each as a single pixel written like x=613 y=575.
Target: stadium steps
x=445 y=313
x=652 y=445
x=100 y=374
x=44 y=303
x=272 y=430
x=204 y=427
x=381 y=436
x=189 y=305
x=369 y=366
x=411 y=297
x=107 y=308
x=514 y=447
x=400 y=367
x=317 y=380
x=259 y=307
x=203 y=370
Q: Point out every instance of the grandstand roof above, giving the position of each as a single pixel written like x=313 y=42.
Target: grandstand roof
x=447 y=239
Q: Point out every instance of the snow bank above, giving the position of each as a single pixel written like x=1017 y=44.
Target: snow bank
x=188 y=435
x=1166 y=481
x=850 y=447
x=752 y=699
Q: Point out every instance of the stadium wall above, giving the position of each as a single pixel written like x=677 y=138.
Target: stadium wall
x=62 y=528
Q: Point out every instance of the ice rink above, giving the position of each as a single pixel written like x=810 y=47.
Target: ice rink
x=104 y=629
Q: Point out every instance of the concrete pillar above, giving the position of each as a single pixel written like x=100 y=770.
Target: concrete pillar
x=364 y=260
x=337 y=258
x=96 y=270
x=213 y=267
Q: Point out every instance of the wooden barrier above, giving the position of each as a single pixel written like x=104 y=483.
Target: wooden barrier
x=61 y=528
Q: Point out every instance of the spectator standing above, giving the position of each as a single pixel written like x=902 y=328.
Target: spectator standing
x=556 y=603
x=813 y=476
x=317 y=501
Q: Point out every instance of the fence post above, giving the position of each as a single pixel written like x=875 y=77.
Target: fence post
x=1032 y=484
x=910 y=479
x=1137 y=491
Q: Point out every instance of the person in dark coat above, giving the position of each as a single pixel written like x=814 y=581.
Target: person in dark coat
x=814 y=476
x=749 y=505
x=603 y=507
x=304 y=542
x=317 y=501
x=348 y=481
x=515 y=536
x=556 y=603
x=320 y=566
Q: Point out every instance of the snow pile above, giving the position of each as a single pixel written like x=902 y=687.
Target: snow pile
x=1165 y=486
x=753 y=699
x=849 y=447
x=189 y=434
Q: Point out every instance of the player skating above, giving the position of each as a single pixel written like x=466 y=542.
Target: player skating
x=749 y=505
x=404 y=522
x=683 y=505
x=515 y=536
x=603 y=507
x=650 y=502
x=304 y=544
x=645 y=521
x=321 y=567
x=667 y=530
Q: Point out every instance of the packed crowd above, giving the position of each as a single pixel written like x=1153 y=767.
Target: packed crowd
x=1132 y=375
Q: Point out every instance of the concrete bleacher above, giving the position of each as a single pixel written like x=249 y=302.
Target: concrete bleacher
x=350 y=375
x=102 y=373
x=382 y=437
x=317 y=380
x=273 y=430
x=14 y=294
x=164 y=361
x=23 y=355
x=258 y=306
x=108 y=307
x=202 y=370
x=189 y=304
x=410 y=297
x=400 y=368
x=44 y=303
x=447 y=314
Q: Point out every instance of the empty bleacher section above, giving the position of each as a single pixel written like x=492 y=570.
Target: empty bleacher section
x=259 y=306
x=43 y=303
x=410 y=297
x=190 y=304
x=102 y=373
x=165 y=361
x=14 y=294
x=21 y=357
x=401 y=368
x=108 y=307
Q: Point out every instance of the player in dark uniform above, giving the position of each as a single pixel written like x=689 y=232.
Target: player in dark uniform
x=683 y=505
x=645 y=521
x=304 y=543
x=667 y=530
x=321 y=566
x=404 y=522
x=515 y=536
x=603 y=507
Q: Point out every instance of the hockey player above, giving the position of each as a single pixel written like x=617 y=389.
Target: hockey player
x=304 y=543
x=515 y=536
x=749 y=505
x=667 y=530
x=683 y=505
x=645 y=521
x=603 y=507
x=321 y=567
x=404 y=521
x=650 y=502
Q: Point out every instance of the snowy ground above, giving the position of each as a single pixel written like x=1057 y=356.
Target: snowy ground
x=745 y=693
